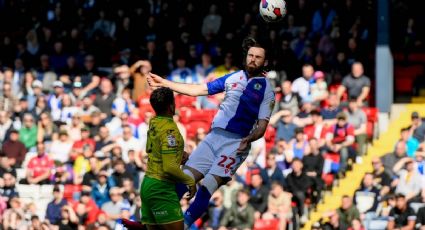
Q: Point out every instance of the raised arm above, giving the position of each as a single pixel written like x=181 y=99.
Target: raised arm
x=156 y=81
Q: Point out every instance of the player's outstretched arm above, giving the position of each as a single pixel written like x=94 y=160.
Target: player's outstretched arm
x=156 y=81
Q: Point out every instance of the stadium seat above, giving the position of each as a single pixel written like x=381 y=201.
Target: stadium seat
x=70 y=190
x=46 y=191
x=193 y=127
x=262 y=224
x=183 y=101
x=188 y=115
x=270 y=136
x=28 y=190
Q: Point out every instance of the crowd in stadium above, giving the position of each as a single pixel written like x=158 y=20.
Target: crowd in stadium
x=74 y=112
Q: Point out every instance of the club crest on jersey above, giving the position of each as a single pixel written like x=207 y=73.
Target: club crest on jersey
x=257 y=86
x=171 y=139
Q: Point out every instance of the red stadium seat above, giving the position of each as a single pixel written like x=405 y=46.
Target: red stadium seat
x=262 y=224
x=270 y=136
x=183 y=101
x=189 y=114
x=70 y=190
x=328 y=178
x=371 y=113
x=193 y=127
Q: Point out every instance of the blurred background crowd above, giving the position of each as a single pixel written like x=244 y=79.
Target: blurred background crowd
x=74 y=111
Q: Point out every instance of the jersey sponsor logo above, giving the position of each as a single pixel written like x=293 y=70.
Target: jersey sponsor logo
x=171 y=139
x=257 y=86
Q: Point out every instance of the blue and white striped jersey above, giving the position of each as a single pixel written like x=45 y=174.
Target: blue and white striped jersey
x=246 y=101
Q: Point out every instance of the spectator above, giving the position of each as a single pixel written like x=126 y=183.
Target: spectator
x=7 y=100
x=28 y=132
x=216 y=210
x=347 y=212
x=417 y=129
x=14 y=149
x=420 y=220
x=340 y=139
x=123 y=104
x=240 y=215
x=279 y=205
x=319 y=89
x=69 y=218
x=334 y=222
x=54 y=100
x=206 y=67
x=381 y=179
x=273 y=172
x=356 y=84
x=390 y=159
x=357 y=118
x=13 y=218
x=299 y=184
x=53 y=212
x=60 y=149
x=410 y=181
x=8 y=189
x=5 y=126
x=39 y=167
x=105 y=98
x=229 y=192
x=299 y=145
x=120 y=172
x=302 y=84
x=401 y=216
x=212 y=22
x=258 y=195
x=411 y=143
x=128 y=142
x=313 y=162
x=46 y=130
x=113 y=207
x=317 y=129
x=289 y=100
x=332 y=109
x=285 y=128
x=182 y=73
x=6 y=166
x=366 y=199
x=84 y=144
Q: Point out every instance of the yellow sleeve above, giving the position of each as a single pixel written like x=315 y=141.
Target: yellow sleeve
x=172 y=169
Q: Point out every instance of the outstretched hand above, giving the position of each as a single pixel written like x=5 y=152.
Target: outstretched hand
x=155 y=81
x=243 y=146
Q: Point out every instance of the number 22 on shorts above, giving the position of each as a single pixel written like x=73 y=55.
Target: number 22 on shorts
x=226 y=162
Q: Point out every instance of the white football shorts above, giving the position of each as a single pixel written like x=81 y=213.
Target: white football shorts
x=217 y=154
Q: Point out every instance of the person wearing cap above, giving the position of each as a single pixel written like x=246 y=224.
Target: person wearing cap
x=37 y=90
x=402 y=216
x=14 y=149
x=417 y=129
x=55 y=100
x=319 y=89
x=356 y=84
x=53 y=211
x=340 y=139
x=101 y=187
x=77 y=92
x=60 y=148
x=409 y=181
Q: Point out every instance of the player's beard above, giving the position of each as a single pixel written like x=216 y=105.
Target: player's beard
x=253 y=69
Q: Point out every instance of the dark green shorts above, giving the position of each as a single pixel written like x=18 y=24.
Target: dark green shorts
x=160 y=204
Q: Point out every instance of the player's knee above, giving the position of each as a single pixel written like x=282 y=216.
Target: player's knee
x=210 y=183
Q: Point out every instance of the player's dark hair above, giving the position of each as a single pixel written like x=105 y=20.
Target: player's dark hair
x=249 y=42
x=161 y=99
